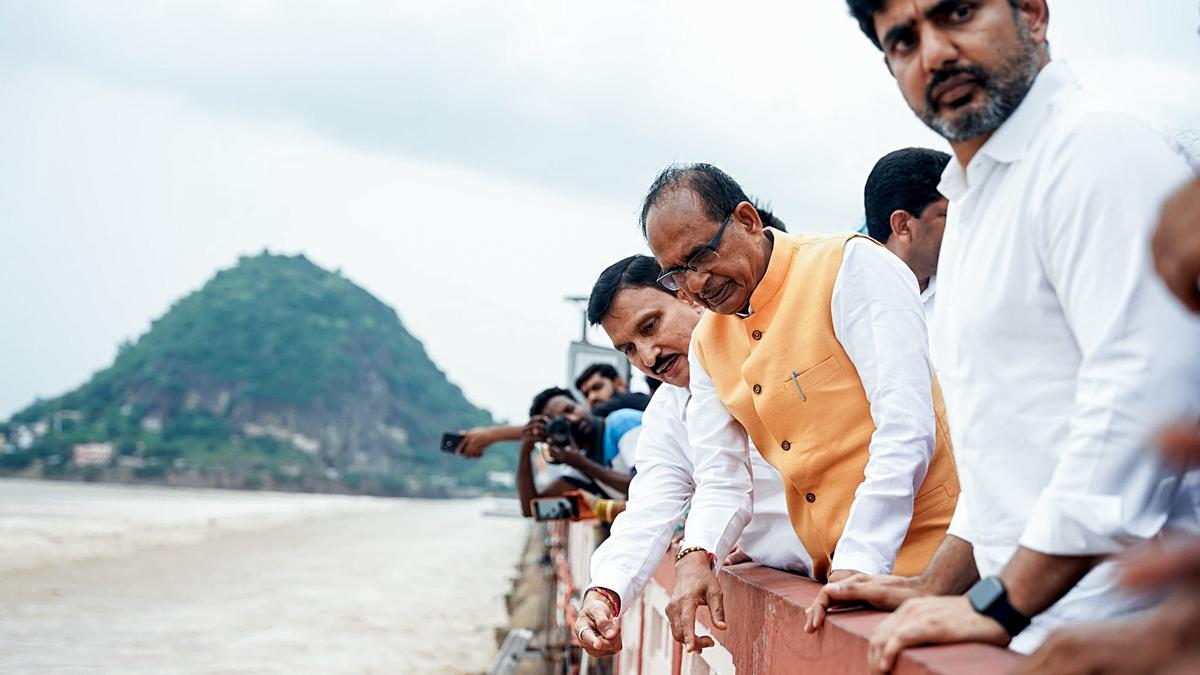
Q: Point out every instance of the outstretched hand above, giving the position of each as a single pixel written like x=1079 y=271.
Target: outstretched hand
x=695 y=585
x=475 y=442
x=598 y=631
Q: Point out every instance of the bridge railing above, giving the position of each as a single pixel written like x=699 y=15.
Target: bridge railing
x=765 y=612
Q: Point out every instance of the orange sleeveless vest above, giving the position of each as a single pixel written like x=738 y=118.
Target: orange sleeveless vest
x=817 y=435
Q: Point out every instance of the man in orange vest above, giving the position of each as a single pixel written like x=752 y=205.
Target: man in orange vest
x=814 y=346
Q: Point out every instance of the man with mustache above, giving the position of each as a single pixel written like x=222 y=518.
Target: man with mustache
x=1060 y=352
x=653 y=327
x=816 y=347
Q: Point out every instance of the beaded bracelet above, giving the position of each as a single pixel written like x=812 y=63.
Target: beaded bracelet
x=614 y=600
x=712 y=558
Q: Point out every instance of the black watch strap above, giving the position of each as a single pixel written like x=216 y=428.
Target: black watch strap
x=989 y=597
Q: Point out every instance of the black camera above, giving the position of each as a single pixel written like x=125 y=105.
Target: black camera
x=558 y=432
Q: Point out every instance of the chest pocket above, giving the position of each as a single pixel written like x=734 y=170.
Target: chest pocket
x=800 y=385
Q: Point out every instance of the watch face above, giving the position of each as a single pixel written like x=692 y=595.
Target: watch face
x=984 y=594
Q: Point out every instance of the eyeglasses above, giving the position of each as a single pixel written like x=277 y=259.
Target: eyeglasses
x=674 y=278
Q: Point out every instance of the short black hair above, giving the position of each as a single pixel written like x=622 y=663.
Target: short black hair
x=543 y=397
x=718 y=192
x=905 y=179
x=768 y=219
x=864 y=12
x=602 y=369
x=636 y=271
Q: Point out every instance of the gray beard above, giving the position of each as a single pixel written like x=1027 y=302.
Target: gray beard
x=1005 y=90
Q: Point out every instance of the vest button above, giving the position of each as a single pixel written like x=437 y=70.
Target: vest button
x=757 y=388
x=757 y=335
x=810 y=498
x=786 y=446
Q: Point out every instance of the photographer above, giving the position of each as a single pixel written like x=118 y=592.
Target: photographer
x=582 y=452
x=602 y=386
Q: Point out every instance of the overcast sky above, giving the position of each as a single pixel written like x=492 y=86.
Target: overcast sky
x=470 y=163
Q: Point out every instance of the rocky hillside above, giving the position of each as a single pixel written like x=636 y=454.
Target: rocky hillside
x=275 y=372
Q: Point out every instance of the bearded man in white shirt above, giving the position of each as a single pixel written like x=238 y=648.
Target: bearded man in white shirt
x=653 y=328
x=1060 y=352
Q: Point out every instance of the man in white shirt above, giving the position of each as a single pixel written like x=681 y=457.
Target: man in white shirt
x=1060 y=352
x=653 y=328
x=907 y=214
x=1165 y=639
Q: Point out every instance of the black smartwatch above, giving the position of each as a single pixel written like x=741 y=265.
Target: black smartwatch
x=989 y=598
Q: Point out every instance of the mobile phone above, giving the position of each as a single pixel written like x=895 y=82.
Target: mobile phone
x=450 y=442
x=563 y=507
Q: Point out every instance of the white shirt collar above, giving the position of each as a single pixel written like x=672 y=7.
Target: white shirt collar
x=1009 y=142
x=930 y=289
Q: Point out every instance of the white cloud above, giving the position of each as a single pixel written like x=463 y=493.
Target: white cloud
x=468 y=162
x=161 y=195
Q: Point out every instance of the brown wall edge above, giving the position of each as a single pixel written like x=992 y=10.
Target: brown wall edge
x=764 y=608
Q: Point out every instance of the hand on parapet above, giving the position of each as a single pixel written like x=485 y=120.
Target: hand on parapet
x=695 y=585
x=1176 y=245
x=841 y=575
x=599 y=632
x=1165 y=639
x=930 y=621
x=737 y=556
x=882 y=591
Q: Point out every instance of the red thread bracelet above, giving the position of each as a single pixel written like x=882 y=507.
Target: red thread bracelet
x=614 y=600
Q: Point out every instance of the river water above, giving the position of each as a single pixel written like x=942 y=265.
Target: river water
x=130 y=579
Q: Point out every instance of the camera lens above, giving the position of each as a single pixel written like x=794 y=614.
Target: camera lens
x=558 y=431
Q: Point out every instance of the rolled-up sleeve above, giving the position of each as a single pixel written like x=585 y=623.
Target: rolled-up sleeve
x=879 y=320
x=723 y=503
x=1140 y=352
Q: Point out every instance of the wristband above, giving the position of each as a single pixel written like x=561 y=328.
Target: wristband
x=614 y=600
x=712 y=558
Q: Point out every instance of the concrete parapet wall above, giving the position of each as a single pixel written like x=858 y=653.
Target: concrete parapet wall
x=765 y=611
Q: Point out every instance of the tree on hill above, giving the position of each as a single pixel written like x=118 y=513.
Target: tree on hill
x=275 y=365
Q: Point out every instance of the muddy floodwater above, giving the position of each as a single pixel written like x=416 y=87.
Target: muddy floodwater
x=129 y=579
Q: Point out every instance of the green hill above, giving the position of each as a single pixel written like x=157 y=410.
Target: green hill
x=275 y=373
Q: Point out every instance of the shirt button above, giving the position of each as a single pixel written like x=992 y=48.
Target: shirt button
x=757 y=335
x=786 y=446
x=757 y=388
x=810 y=498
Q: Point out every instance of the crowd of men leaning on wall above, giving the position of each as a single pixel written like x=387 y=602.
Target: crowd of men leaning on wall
x=980 y=416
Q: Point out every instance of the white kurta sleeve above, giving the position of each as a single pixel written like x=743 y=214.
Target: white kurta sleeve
x=1139 y=350
x=723 y=503
x=879 y=320
x=658 y=494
